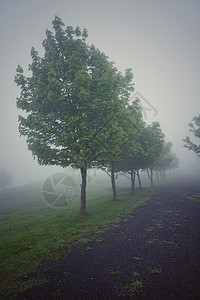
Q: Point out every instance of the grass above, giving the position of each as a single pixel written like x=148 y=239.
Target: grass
x=153 y=241
x=194 y=197
x=32 y=231
x=159 y=225
x=132 y=288
x=137 y=258
x=155 y=271
x=166 y=243
x=150 y=228
x=89 y=248
x=114 y=272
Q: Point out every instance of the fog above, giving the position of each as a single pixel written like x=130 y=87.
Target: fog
x=158 y=39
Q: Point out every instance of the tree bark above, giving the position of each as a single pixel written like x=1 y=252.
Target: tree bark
x=139 y=180
x=150 y=175
x=113 y=182
x=157 y=175
x=133 y=181
x=83 y=190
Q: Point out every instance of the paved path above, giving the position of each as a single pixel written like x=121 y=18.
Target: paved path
x=161 y=237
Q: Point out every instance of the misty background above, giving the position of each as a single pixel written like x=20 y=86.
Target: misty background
x=158 y=39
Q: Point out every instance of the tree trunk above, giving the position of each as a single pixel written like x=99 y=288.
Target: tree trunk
x=132 y=181
x=139 y=180
x=150 y=175
x=113 y=182
x=157 y=175
x=83 y=190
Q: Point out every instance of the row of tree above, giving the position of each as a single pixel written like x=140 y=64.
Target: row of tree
x=150 y=153
x=78 y=112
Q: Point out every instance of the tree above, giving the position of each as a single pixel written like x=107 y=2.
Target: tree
x=148 y=144
x=72 y=102
x=166 y=161
x=134 y=155
x=5 y=178
x=154 y=144
x=131 y=123
x=117 y=141
x=195 y=129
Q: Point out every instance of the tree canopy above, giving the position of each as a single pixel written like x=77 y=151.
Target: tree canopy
x=73 y=102
x=195 y=129
x=77 y=111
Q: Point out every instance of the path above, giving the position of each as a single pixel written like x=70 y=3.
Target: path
x=161 y=237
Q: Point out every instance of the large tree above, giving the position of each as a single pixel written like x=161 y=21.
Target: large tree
x=195 y=129
x=72 y=102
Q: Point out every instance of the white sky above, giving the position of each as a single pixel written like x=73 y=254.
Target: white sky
x=159 y=39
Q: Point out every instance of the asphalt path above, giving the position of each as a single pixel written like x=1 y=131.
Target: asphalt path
x=154 y=254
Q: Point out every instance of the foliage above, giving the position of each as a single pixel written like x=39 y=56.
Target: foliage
x=73 y=103
x=77 y=111
x=167 y=160
x=149 y=140
x=195 y=129
x=71 y=100
x=154 y=142
x=149 y=143
x=132 y=124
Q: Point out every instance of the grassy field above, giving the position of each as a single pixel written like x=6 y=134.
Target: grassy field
x=32 y=231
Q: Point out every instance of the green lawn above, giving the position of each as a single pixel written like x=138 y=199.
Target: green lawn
x=31 y=231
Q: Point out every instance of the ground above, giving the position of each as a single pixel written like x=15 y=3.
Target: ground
x=154 y=253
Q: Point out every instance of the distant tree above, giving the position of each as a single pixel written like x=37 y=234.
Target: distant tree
x=195 y=129
x=128 y=125
x=117 y=141
x=72 y=101
x=133 y=158
x=174 y=162
x=129 y=168
x=166 y=161
x=154 y=144
x=5 y=178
